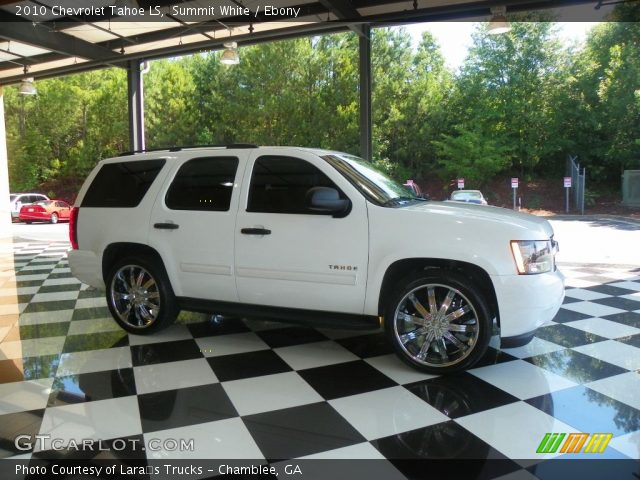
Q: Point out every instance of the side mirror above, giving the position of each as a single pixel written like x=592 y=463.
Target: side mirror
x=327 y=200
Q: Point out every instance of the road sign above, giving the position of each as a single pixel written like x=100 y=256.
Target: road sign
x=567 y=182
x=514 y=182
x=461 y=183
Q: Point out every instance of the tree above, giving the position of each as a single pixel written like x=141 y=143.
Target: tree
x=604 y=93
x=424 y=114
x=169 y=114
x=471 y=155
x=505 y=90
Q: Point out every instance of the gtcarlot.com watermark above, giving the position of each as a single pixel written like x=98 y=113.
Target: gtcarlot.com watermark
x=46 y=442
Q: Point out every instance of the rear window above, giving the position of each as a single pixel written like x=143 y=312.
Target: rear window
x=122 y=185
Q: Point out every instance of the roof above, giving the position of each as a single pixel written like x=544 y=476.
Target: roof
x=55 y=37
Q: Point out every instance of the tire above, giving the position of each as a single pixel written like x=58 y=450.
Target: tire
x=458 y=337
x=139 y=295
x=28 y=222
x=54 y=218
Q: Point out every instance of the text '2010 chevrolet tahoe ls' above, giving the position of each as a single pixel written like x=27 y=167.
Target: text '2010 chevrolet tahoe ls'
x=313 y=236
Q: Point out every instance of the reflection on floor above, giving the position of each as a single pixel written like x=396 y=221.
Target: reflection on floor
x=259 y=390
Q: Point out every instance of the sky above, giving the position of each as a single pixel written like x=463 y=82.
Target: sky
x=574 y=22
x=455 y=37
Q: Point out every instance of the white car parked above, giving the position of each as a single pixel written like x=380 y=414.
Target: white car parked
x=468 y=196
x=314 y=236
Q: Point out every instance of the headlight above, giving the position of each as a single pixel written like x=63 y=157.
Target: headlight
x=534 y=256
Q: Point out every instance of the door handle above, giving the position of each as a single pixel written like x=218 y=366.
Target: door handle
x=255 y=231
x=166 y=226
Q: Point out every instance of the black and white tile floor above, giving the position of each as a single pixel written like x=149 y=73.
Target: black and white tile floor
x=245 y=389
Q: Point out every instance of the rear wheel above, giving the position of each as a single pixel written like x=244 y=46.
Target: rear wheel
x=438 y=322
x=54 y=218
x=139 y=295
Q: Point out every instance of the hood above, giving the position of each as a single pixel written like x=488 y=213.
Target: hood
x=471 y=214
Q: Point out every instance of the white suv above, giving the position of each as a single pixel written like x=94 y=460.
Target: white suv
x=310 y=236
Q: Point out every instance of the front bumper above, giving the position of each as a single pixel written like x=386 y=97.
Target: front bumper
x=526 y=302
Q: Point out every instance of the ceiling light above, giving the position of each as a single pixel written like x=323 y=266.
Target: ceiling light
x=26 y=86
x=498 y=23
x=230 y=54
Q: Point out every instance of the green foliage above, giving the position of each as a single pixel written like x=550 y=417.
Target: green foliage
x=506 y=90
x=590 y=198
x=471 y=155
x=599 y=108
x=67 y=128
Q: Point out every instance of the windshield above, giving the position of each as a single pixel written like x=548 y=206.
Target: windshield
x=374 y=185
x=466 y=196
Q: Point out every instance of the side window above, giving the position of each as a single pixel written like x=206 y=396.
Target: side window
x=122 y=185
x=203 y=184
x=280 y=185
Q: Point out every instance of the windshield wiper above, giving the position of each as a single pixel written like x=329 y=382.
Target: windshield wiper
x=402 y=200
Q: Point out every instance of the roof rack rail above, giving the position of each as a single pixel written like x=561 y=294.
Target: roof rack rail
x=184 y=147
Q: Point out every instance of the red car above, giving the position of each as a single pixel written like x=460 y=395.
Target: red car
x=45 y=211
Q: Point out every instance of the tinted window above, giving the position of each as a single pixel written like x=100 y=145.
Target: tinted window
x=122 y=185
x=280 y=185
x=203 y=184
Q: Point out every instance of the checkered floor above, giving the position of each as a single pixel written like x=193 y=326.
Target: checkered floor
x=260 y=390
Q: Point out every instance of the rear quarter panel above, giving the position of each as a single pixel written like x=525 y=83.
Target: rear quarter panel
x=99 y=227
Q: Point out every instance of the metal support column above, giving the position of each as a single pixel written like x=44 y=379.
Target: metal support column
x=5 y=211
x=365 y=93
x=136 y=106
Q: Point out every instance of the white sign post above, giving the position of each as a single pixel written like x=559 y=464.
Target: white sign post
x=460 y=183
x=567 y=186
x=514 y=186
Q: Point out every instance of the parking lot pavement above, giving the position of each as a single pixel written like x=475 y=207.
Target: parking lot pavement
x=593 y=240
x=41 y=231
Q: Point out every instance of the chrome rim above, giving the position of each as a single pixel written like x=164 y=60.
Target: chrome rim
x=135 y=297
x=436 y=325
x=54 y=218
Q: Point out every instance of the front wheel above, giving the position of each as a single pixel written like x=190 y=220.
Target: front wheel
x=438 y=322
x=54 y=218
x=139 y=295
